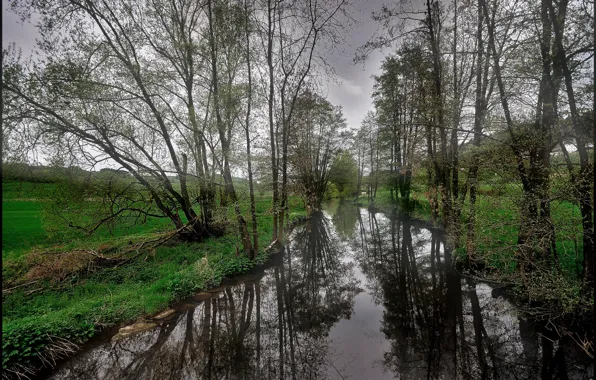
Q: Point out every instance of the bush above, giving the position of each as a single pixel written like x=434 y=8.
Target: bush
x=331 y=192
x=29 y=342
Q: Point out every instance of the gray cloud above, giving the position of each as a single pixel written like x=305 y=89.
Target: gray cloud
x=354 y=90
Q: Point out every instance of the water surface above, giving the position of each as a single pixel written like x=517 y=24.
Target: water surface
x=354 y=295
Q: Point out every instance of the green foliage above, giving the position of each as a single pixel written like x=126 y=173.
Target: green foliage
x=344 y=174
x=331 y=192
x=22 y=341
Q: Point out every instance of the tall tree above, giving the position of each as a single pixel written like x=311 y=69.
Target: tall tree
x=296 y=30
x=107 y=85
x=583 y=180
x=315 y=138
x=248 y=25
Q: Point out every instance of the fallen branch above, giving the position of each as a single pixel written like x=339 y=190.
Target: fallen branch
x=18 y=286
x=157 y=242
x=273 y=243
x=99 y=256
x=29 y=292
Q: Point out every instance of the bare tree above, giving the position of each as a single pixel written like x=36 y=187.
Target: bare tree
x=116 y=87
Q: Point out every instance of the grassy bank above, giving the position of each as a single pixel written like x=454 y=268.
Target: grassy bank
x=64 y=296
x=555 y=293
x=497 y=225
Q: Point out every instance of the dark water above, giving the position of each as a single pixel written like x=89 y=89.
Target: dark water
x=355 y=296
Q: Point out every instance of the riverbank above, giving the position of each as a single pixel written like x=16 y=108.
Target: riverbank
x=56 y=297
x=347 y=276
x=497 y=226
x=555 y=295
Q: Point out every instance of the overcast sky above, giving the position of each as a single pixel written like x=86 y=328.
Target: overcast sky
x=353 y=92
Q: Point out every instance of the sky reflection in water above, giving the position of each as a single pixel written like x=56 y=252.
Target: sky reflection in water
x=355 y=296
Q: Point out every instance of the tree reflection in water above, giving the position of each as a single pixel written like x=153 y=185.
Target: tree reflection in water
x=281 y=323
x=271 y=326
x=444 y=326
x=344 y=219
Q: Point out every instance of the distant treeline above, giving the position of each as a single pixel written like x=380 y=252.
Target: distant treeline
x=24 y=172
x=18 y=171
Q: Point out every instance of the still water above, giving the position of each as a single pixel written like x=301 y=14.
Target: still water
x=355 y=295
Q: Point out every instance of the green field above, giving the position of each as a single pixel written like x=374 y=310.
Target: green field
x=21 y=216
x=21 y=225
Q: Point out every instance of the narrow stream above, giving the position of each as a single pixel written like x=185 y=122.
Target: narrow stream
x=355 y=295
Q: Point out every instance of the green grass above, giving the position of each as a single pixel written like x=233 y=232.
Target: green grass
x=21 y=216
x=79 y=306
x=497 y=225
x=21 y=226
x=15 y=190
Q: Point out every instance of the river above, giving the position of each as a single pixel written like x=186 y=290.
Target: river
x=354 y=295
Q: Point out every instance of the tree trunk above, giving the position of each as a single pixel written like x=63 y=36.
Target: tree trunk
x=478 y=118
x=441 y=173
x=586 y=174
x=454 y=146
x=253 y=212
x=528 y=212
x=360 y=170
x=229 y=193
x=272 y=134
